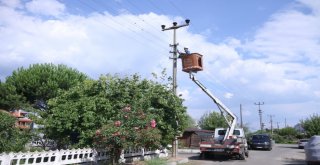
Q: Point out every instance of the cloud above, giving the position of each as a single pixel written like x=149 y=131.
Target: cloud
x=96 y=44
x=46 y=7
x=279 y=64
x=11 y=3
x=289 y=36
x=228 y=95
x=184 y=94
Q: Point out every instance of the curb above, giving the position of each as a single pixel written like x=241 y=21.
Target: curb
x=189 y=151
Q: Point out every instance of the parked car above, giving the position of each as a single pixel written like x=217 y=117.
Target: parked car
x=312 y=150
x=302 y=143
x=260 y=141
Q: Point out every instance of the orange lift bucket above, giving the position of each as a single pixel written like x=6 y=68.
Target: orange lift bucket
x=191 y=62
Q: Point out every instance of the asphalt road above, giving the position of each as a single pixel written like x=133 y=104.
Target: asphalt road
x=281 y=154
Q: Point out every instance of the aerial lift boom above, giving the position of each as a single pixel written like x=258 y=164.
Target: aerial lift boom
x=227 y=114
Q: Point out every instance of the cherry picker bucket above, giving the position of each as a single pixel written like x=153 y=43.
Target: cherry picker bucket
x=191 y=62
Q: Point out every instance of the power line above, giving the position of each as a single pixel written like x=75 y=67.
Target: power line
x=182 y=13
x=141 y=28
x=155 y=6
x=120 y=25
x=142 y=20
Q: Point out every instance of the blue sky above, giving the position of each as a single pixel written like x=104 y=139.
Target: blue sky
x=254 y=51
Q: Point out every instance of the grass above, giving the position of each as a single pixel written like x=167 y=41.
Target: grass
x=156 y=161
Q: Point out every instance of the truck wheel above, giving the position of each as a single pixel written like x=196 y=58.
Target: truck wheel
x=241 y=155
x=203 y=155
x=246 y=153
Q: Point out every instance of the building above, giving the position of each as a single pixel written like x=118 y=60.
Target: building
x=22 y=120
x=191 y=137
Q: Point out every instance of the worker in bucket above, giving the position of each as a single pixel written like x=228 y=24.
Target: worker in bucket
x=186 y=50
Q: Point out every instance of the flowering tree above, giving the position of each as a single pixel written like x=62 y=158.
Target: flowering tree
x=75 y=115
x=131 y=128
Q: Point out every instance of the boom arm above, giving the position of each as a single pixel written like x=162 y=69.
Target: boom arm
x=223 y=109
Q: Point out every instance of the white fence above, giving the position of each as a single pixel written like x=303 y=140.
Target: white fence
x=61 y=157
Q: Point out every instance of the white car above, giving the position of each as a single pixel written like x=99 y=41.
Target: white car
x=312 y=150
x=302 y=143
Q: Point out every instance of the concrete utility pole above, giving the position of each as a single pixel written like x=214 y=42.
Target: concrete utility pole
x=285 y=122
x=271 y=124
x=175 y=52
x=260 y=115
x=241 y=123
x=174 y=70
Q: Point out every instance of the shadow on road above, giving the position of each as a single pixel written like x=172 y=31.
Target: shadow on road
x=212 y=158
x=292 y=147
x=295 y=162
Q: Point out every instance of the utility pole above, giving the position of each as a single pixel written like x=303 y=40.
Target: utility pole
x=174 y=71
x=174 y=45
x=271 y=124
x=241 y=123
x=278 y=125
x=260 y=115
x=285 y=122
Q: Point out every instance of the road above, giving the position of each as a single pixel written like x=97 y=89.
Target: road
x=281 y=154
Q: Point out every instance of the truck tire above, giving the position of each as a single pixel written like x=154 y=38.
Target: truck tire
x=246 y=153
x=242 y=155
x=203 y=155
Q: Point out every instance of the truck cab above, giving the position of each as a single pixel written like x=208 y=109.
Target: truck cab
x=219 y=133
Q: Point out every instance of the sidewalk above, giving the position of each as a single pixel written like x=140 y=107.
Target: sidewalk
x=177 y=160
x=181 y=159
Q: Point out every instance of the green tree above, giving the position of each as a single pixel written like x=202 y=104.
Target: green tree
x=11 y=138
x=288 y=131
x=38 y=83
x=31 y=88
x=75 y=114
x=9 y=98
x=190 y=122
x=212 y=120
x=312 y=125
x=285 y=135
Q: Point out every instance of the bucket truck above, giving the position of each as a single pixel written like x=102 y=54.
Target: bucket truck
x=229 y=141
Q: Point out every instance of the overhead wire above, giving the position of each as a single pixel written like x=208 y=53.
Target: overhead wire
x=226 y=88
x=156 y=7
x=121 y=26
x=156 y=29
x=223 y=85
x=182 y=13
x=134 y=24
x=115 y=29
x=142 y=20
x=141 y=11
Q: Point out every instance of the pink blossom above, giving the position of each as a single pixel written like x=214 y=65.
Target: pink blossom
x=153 y=123
x=117 y=123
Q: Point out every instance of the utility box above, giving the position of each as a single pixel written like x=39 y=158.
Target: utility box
x=191 y=62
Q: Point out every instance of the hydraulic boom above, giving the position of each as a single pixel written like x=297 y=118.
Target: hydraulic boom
x=227 y=114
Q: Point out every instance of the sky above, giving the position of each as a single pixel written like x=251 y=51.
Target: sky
x=253 y=51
